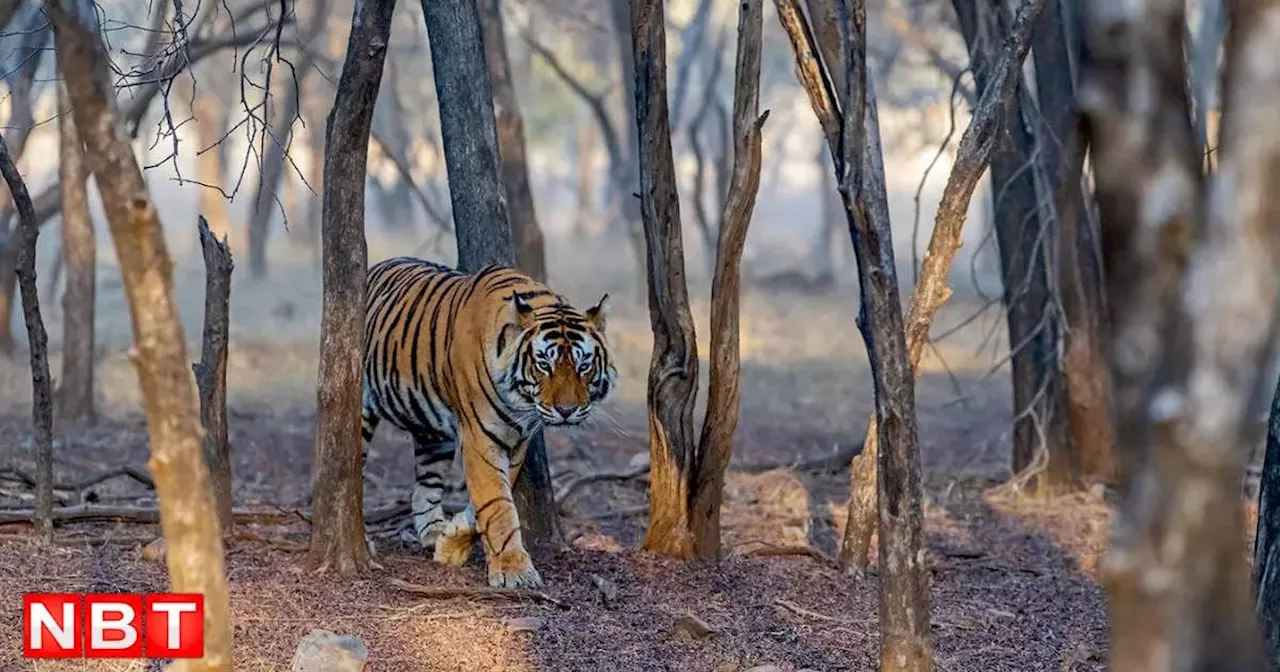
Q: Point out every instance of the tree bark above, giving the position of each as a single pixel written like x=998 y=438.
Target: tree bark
x=1192 y=329
x=530 y=256
x=75 y=396
x=673 y=368
x=1084 y=368
x=1266 y=544
x=715 y=447
x=623 y=13
x=480 y=212
x=337 y=528
x=41 y=396
x=584 y=146
x=977 y=146
x=211 y=370
x=187 y=517
x=1040 y=421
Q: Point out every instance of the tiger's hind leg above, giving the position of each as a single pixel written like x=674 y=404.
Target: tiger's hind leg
x=432 y=458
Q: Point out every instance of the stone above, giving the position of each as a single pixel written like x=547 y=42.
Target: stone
x=154 y=550
x=694 y=626
x=526 y=624
x=323 y=651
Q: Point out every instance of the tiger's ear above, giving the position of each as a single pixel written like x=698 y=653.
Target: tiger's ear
x=597 y=314
x=521 y=311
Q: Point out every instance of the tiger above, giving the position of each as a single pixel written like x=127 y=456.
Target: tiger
x=483 y=360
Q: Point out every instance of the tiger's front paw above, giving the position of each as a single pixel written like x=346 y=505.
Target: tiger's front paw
x=513 y=570
x=453 y=546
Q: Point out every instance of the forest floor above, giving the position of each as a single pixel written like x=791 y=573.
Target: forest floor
x=1015 y=583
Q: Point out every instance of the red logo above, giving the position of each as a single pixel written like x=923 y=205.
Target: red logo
x=112 y=625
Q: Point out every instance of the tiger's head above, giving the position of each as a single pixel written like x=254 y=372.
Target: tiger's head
x=556 y=359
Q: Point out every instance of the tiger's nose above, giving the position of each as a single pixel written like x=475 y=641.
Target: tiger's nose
x=565 y=411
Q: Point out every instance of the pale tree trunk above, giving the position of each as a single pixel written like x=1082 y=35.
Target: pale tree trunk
x=977 y=146
x=530 y=256
x=480 y=215
x=187 y=516
x=584 y=146
x=1084 y=368
x=75 y=395
x=278 y=142
x=1192 y=329
x=200 y=92
x=1040 y=428
x=673 y=368
x=211 y=370
x=41 y=395
x=723 y=395
x=337 y=527
x=18 y=129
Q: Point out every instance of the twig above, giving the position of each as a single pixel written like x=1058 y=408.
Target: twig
x=585 y=479
x=475 y=592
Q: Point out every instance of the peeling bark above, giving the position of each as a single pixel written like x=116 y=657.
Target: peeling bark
x=337 y=528
x=187 y=516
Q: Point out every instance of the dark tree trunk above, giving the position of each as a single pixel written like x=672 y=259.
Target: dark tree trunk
x=673 y=368
x=75 y=395
x=211 y=370
x=630 y=207
x=337 y=528
x=41 y=395
x=480 y=213
x=1040 y=421
x=187 y=516
x=530 y=256
x=1266 y=549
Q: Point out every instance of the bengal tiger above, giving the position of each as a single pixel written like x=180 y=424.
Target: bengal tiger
x=482 y=360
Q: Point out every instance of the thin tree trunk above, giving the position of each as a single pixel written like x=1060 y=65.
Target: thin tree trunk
x=41 y=395
x=1084 y=367
x=211 y=370
x=715 y=447
x=1266 y=548
x=1193 y=327
x=630 y=206
x=530 y=256
x=585 y=185
x=673 y=368
x=76 y=388
x=187 y=516
x=480 y=214
x=210 y=122
x=337 y=528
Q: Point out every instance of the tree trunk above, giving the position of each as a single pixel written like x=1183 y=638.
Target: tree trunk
x=1084 y=368
x=585 y=212
x=19 y=126
x=1192 y=328
x=1040 y=423
x=41 y=395
x=673 y=368
x=210 y=124
x=211 y=370
x=623 y=14
x=76 y=388
x=977 y=145
x=1266 y=548
x=480 y=213
x=530 y=256
x=337 y=528
x=187 y=517
x=715 y=447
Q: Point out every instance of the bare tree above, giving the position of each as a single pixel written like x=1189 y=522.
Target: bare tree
x=75 y=394
x=1193 y=291
x=211 y=370
x=41 y=396
x=187 y=516
x=1041 y=433
x=530 y=256
x=337 y=528
x=977 y=146
x=480 y=211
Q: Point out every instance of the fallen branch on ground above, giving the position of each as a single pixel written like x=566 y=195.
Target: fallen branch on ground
x=478 y=592
x=593 y=477
x=768 y=549
x=10 y=473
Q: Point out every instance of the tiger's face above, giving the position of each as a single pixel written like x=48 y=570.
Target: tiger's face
x=559 y=365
